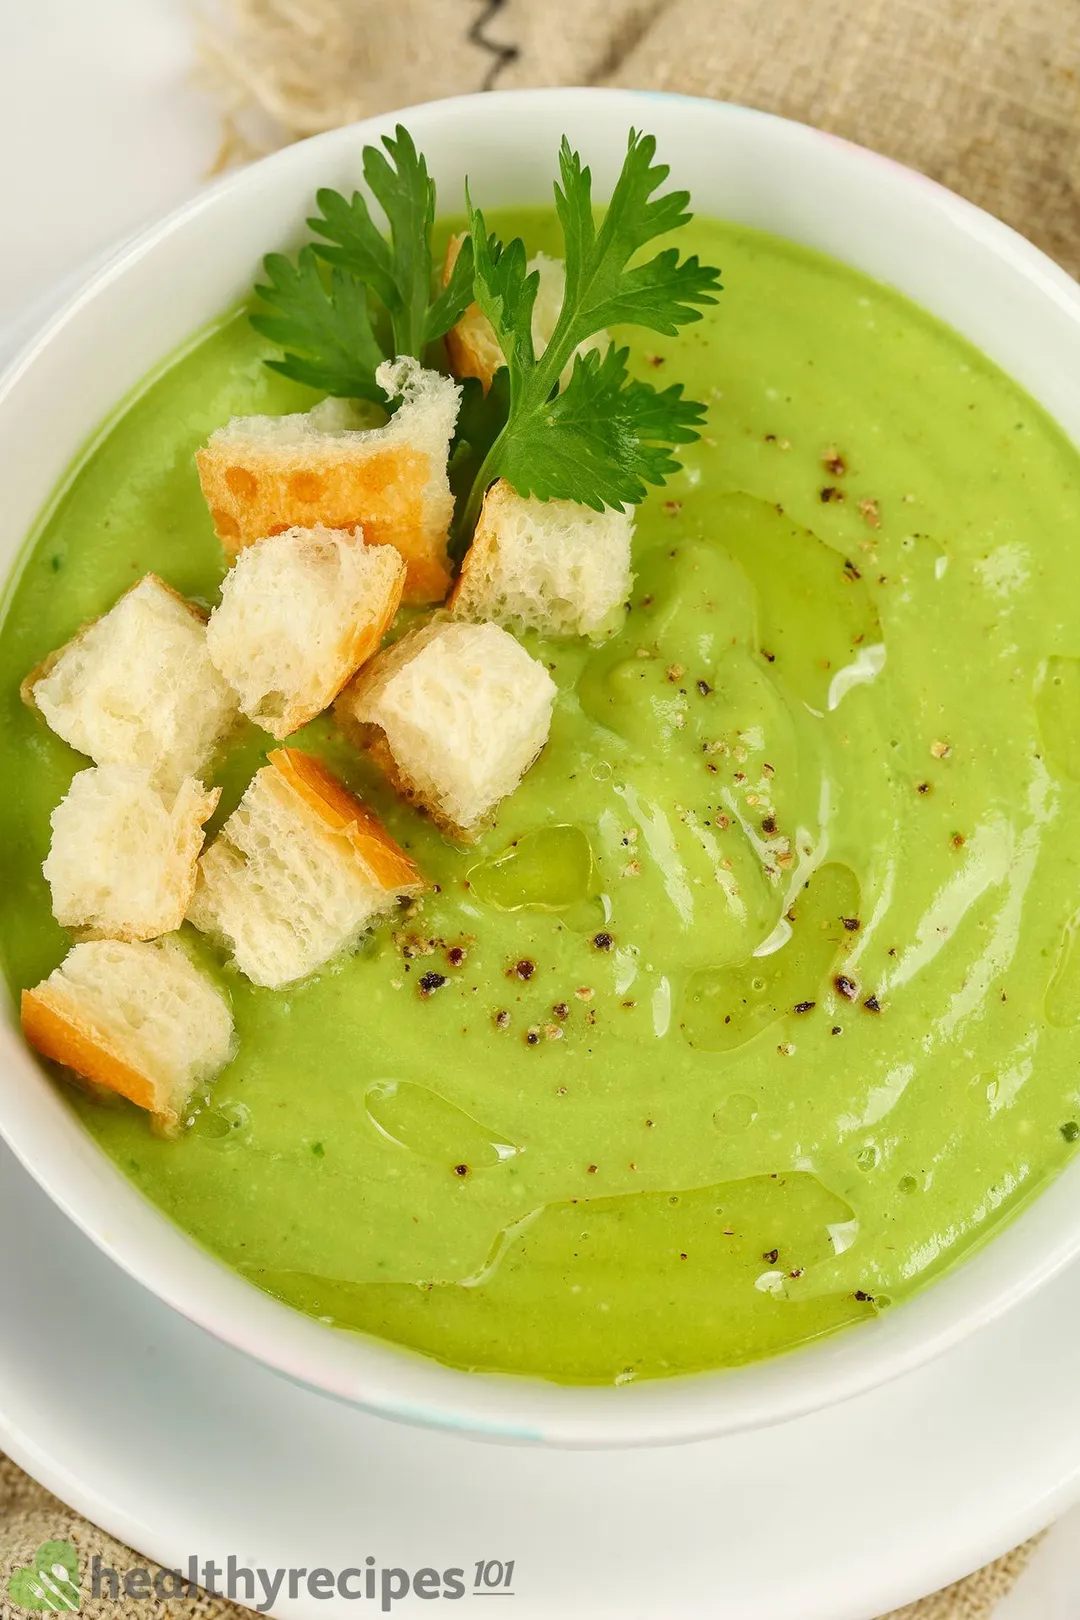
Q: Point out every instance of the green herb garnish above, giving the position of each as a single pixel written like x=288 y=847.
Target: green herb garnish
x=603 y=437
x=354 y=298
x=327 y=330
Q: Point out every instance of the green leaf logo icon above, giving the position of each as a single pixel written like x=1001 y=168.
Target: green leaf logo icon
x=50 y=1582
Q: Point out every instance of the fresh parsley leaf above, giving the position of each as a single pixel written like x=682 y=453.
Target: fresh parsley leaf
x=602 y=438
x=606 y=436
x=506 y=291
x=601 y=290
x=399 y=272
x=454 y=299
x=354 y=243
x=481 y=418
x=325 y=329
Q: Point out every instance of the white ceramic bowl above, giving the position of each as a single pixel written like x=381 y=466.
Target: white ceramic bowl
x=965 y=267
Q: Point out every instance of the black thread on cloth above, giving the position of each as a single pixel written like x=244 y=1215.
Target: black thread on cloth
x=502 y=55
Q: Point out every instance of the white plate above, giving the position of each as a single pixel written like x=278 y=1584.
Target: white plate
x=181 y=1446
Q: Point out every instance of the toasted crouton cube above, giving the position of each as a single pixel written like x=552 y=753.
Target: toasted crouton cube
x=136 y=687
x=455 y=714
x=137 y=1019
x=298 y=872
x=264 y=474
x=122 y=860
x=300 y=612
x=552 y=566
x=472 y=347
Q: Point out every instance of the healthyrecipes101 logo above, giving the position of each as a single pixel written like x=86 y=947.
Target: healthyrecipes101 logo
x=51 y=1581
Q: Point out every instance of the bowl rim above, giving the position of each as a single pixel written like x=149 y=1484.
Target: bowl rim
x=388 y=1379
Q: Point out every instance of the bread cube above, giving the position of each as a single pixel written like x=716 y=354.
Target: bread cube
x=300 y=612
x=262 y=475
x=472 y=347
x=298 y=872
x=455 y=714
x=136 y=687
x=122 y=860
x=138 y=1019
x=551 y=566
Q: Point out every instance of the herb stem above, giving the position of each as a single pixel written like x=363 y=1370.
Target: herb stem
x=470 y=517
x=605 y=435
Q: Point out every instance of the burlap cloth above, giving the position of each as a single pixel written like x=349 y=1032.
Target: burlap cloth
x=982 y=94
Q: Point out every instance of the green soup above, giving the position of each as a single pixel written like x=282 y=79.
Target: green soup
x=761 y=997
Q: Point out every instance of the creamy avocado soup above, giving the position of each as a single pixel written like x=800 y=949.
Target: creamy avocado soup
x=757 y=1006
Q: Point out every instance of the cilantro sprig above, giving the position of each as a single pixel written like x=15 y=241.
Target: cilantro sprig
x=326 y=327
x=604 y=436
x=326 y=331
x=355 y=297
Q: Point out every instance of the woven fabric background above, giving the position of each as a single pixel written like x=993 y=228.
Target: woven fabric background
x=983 y=95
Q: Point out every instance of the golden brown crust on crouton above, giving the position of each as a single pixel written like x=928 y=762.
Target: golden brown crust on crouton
x=58 y=1033
x=367 y=639
x=256 y=488
x=210 y=798
x=471 y=346
x=39 y=672
x=484 y=542
x=330 y=799
x=371 y=740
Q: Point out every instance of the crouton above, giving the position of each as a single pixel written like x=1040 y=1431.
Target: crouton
x=472 y=347
x=298 y=872
x=454 y=714
x=137 y=1019
x=262 y=475
x=122 y=860
x=552 y=566
x=136 y=687
x=300 y=612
